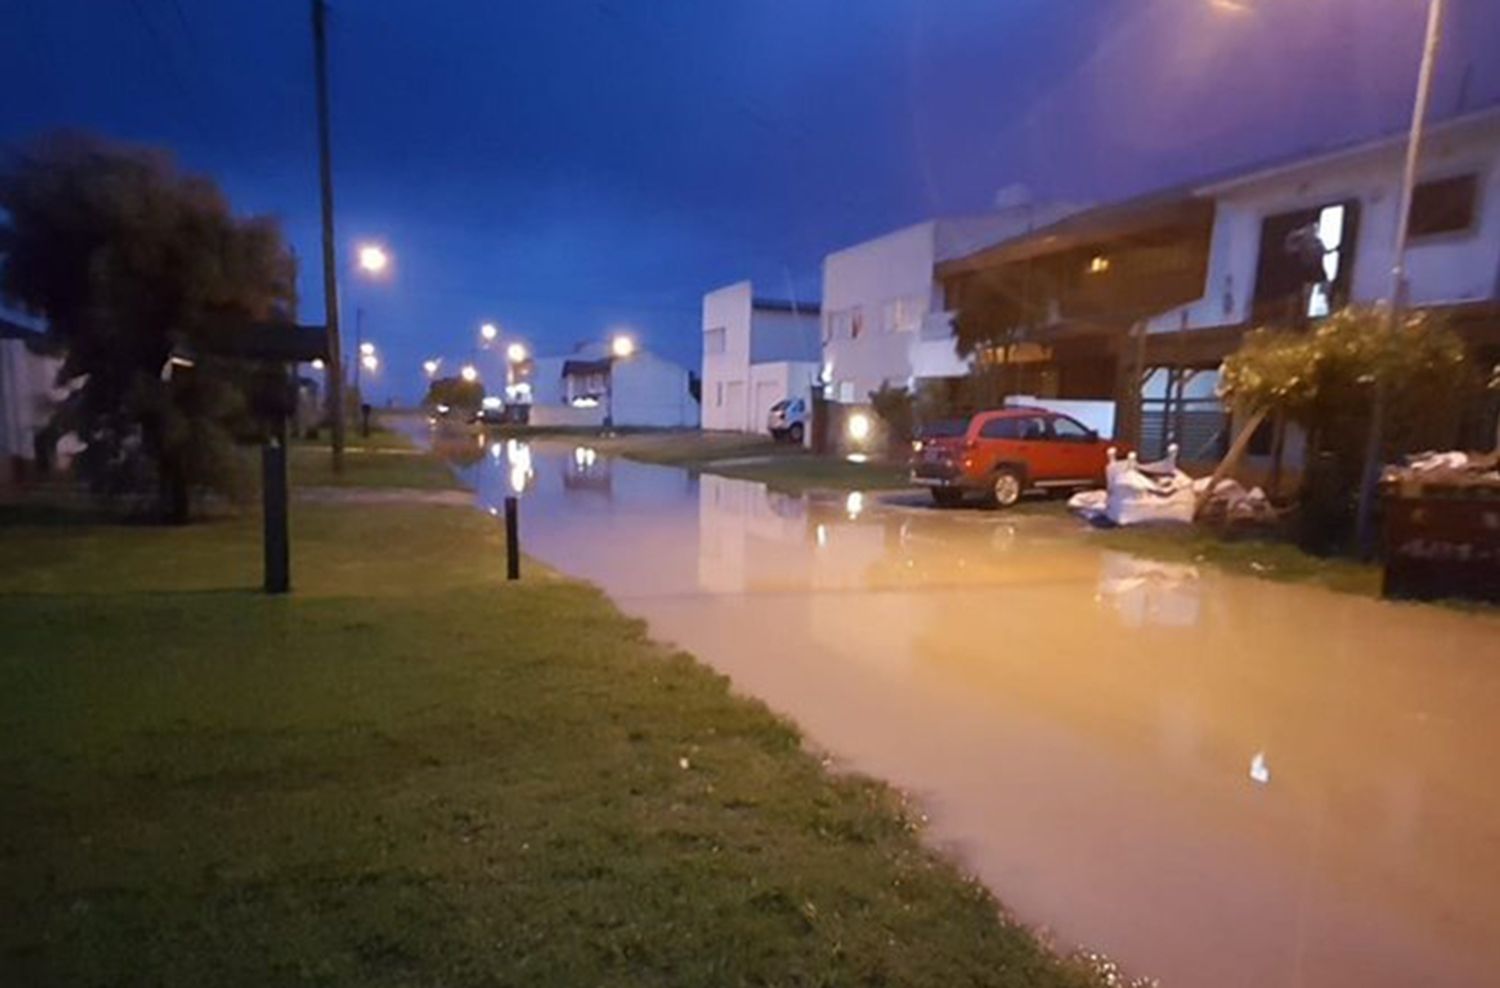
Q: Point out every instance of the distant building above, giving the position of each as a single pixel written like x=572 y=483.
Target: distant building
x=591 y=386
x=28 y=393
x=884 y=320
x=756 y=352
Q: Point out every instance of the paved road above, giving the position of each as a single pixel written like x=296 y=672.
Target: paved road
x=1218 y=781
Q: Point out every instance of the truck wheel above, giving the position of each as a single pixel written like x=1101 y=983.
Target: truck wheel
x=1007 y=487
x=794 y=434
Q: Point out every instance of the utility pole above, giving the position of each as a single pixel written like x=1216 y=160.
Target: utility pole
x=1375 y=439
x=335 y=375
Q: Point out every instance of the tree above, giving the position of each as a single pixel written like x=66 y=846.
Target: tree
x=1324 y=381
x=455 y=392
x=131 y=261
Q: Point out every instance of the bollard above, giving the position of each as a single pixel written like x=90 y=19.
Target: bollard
x=275 y=540
x=512 y=538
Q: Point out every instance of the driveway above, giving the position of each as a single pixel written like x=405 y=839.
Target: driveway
x=1215 y=780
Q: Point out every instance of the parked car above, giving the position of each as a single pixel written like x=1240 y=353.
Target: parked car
x=1005 y=453
x=788 y=420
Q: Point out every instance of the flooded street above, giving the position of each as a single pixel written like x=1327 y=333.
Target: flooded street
x=1216 y=780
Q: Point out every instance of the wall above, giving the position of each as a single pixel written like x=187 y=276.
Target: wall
x=863 y=278
x=650 y=391
x=1446 y=268
x=26 y=399
x=776 y=334
x=899 y=266
x=552 y=414
x=729 y=309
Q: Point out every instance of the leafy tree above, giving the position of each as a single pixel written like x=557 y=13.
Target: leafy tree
x=130 y=261
x=1324 y=380
x=455 y=392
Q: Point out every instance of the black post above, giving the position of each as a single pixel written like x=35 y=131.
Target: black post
x=276 y=541
x=512 y=538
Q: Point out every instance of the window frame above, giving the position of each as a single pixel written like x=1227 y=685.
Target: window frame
x=1470 y=227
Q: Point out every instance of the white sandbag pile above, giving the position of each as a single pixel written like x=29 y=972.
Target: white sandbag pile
x=1451 y=467
x=1137 y=493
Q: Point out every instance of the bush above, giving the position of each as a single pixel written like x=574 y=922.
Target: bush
x=1325 y=381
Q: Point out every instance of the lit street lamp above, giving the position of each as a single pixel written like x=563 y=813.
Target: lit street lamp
x=622 y=345
x=373 y=259
x=470 y=373
x=488 y=332
x=516 y=353
x=367 y=349
x=430 y=366
x=370 y=362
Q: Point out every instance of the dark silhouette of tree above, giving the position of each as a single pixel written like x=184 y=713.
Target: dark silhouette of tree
x=455 y=392
x=132 y=261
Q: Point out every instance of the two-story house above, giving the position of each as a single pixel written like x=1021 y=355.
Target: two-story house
x=756 y=352
x=884 y=317
x=1139 y=302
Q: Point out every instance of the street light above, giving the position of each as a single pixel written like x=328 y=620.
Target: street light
x=430 y=366
x=373 y=259
x=470 y=373
x=622 y=345
x=367 y=349
x=488 y=332
x=516 y=353
x=370 y=362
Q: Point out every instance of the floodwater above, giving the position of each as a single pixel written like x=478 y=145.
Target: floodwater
x=1215 y=780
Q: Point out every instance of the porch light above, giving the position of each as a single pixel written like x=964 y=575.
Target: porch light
x=859 y=427
x=1098 y=264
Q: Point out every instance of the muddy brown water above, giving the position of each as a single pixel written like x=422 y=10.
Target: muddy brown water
x=1215 y=780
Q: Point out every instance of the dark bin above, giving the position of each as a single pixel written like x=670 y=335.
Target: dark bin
x=1443 y=541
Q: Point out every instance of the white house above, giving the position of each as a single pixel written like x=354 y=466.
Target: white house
x=756 y=352
x=28 y=391
x=591 y=386
x=884 y=320
x=1349 y=198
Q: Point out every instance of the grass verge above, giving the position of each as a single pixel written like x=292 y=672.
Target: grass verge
x=384 y=459
x=413 y=773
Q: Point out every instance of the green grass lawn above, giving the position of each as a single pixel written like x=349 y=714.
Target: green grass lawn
x=412 y=773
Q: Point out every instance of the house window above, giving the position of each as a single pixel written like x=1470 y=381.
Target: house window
x=1443 y=206
x=856 y=322
x=1306 y=262
x=840 y=325
x=719 y=395
x=713 y=341
x=902 y=315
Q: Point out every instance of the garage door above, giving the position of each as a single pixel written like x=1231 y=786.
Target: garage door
x=734 y=405
x=767 y=393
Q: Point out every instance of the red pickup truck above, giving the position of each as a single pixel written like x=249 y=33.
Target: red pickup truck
x=1003 y=454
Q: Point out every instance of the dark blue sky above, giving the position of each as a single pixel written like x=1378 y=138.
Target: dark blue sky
x=565 y=167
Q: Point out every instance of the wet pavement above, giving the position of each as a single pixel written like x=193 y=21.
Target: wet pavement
x=1216 y=780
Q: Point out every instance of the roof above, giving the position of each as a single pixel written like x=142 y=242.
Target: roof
x=10 y=330
x=1290 y=163
x=1187 y=201
x=572 y=367
x=1167 y=207
x=784 y=305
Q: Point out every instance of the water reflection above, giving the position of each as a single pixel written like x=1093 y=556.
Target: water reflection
x=1145 y=591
